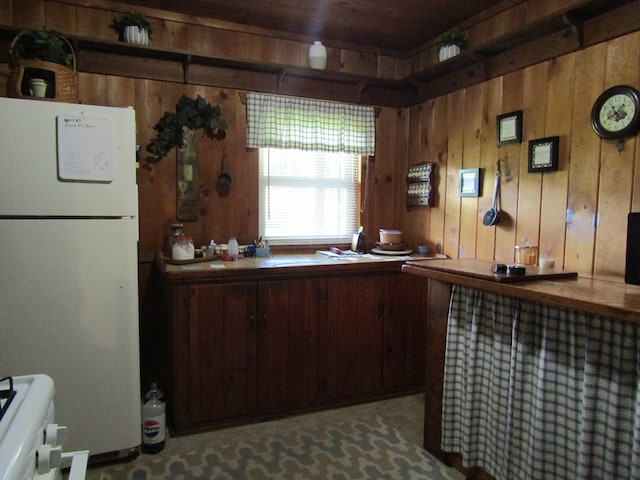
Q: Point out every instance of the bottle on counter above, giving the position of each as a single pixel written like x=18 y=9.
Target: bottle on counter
x=153 y=421
x=183 y=248
x=176 y=232
x=233 y=249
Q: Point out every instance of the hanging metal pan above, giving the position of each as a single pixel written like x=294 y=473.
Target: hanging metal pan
x=224 y=179
x=492 y=216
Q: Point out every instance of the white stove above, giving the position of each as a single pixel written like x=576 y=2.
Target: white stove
x=30 y=441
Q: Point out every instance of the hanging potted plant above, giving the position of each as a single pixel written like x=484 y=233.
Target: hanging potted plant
x=177 y=129
x=42 y=64
x=133 y=27
x=192 y=114
x=451 y=44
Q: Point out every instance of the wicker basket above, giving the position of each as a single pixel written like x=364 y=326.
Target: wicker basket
x=62 y=81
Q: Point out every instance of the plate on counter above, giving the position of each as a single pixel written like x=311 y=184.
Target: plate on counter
x=390 y=252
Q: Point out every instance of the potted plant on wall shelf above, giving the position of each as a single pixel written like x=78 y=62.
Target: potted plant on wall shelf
x=133 y=27
x=45 y=57
x=451 y=44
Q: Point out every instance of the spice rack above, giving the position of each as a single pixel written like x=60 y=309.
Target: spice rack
x=419 y=192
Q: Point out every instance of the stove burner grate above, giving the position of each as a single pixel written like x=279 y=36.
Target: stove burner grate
x=6 y=395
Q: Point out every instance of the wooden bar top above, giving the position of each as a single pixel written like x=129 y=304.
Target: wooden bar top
x=601 y=297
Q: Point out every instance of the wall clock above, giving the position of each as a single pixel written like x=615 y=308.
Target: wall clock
x=616 y=112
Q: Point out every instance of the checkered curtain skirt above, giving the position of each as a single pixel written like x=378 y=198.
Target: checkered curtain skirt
x=536 y=392
x=275 y=121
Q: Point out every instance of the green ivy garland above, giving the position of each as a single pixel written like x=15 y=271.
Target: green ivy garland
x=192 y=113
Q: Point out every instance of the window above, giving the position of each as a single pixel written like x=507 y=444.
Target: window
x=308 y=197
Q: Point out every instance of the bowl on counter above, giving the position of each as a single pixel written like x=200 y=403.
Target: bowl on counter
x=390 y=237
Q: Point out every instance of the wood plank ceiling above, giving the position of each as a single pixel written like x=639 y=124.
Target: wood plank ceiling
x=384 y=25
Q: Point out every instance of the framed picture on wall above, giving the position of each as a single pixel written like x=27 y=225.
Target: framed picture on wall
x=543 y=154
x=509 y=128
x=469 y=182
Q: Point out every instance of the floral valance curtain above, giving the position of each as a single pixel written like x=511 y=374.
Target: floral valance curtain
x=275 y=121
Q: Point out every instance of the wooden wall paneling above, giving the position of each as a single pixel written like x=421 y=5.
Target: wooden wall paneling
x=471 y=126
x=94 y=23
x=240 y=205
x=624 y=19
x=426 y=153
x=61 y=17
x=200 y=39
x=452 y=204
x=288 y=52
x=400 y=163
x=616 y=173
x=170 y=34
x=266 y=50
x=102 y=62
x=359 y=63
x=121 y=91
x=512 y=98
x=30 y=14
x=6 y=12
x=537 y=10
x=486 y=238
x=438 y=147
x=162 y=190
x=529 y=184
x=381 y=196
x=584 y=166
x=4 y=74
x=414 y=223
x=555 y=184
x=248 y=165
x=209 y=156
x=92 y=89
x=223 y=45
x=156 y=182
x=388 y=67
x=502 y=23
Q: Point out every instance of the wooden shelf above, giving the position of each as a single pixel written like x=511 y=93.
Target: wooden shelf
x=560 y=33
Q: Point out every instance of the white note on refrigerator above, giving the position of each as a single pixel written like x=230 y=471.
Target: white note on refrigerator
x=85 y=148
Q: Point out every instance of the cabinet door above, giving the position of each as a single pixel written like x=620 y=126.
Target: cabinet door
x=217 y=358
x=404 y=331
x=354 y=343
x=287 y=343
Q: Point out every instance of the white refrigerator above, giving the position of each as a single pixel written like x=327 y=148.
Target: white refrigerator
x=68 y=264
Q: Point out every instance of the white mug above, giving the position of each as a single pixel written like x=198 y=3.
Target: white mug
x=38 y=87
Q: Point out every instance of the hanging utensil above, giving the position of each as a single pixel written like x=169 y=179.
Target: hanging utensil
x=492 y=216
x=224 y=179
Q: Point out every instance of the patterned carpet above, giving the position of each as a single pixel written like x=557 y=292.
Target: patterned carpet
x=374 y=441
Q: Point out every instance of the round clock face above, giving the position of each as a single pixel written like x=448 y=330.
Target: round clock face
x=616 y=113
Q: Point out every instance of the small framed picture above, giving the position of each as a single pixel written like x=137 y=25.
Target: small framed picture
x=509 y=128
x=543 y=154
x=470 y=182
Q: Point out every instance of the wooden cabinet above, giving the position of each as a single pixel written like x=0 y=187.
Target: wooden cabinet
x=235 y=345
x=355 y=329
x=241 y=350
x=404 y=331
x=212 y=343
x=376 y=334
x=286 y=353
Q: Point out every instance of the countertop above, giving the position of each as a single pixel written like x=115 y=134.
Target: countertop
x=601 y=297
x=284 y=265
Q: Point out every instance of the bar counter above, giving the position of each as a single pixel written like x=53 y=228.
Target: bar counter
x=603 y=297
x=536 y=367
